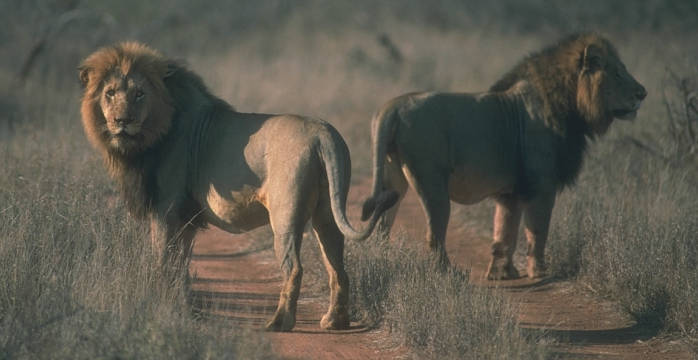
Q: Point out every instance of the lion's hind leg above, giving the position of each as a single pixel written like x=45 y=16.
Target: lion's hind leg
x=432 y=191
x=332 y=246
x=288 y=233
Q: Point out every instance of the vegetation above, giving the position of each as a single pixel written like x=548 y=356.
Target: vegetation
x=78 y=275
x=440 y=314
x=630 y=230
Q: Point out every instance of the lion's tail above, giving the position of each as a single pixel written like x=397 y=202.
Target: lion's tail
x=333 y=148
x=382 y=130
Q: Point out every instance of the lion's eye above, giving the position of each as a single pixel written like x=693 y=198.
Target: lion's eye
x=139 y=94
x=111 y=92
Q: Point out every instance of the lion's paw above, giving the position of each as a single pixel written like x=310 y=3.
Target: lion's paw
x=282 y=321
x=502 y=270
x=335 y=321
x=535 y=269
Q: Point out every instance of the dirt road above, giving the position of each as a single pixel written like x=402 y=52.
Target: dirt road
x=241 y=278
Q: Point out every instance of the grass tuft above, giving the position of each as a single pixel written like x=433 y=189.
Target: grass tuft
x=438 y=313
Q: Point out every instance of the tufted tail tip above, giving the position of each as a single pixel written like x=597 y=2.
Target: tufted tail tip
x=386 y=200
x=378 y=204
x=367 y=210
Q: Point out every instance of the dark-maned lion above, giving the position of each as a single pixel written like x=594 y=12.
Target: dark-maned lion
x=520 y=143
x=184 y=159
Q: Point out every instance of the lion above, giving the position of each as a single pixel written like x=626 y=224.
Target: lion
x=185 y=159
x=520 y=143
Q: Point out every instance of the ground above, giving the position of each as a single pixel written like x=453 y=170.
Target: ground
x=242 y=280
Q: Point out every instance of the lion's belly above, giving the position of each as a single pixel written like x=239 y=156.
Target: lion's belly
x=237 y=211
x=470 y=187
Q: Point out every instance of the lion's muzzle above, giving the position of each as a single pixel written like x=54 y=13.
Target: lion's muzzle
x=630 y=112
x=123 y=121
x=125 y=126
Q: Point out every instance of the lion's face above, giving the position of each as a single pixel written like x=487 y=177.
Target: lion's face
x=624 y=93
x=126 y=107
x=126 y=102
x=606 y=90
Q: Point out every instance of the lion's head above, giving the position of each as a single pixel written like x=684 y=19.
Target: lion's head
x=581 y=77
x=126 y=107
x=605 y=88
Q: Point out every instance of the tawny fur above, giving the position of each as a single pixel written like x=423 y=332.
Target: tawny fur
x=184 y=158
x=519 y=143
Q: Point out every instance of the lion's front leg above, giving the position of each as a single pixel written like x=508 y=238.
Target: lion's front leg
x=536 y=222
x=507 y=217
x=172 y=241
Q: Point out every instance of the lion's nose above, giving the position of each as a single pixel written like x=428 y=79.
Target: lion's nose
x=641 y=93
x=121 y=121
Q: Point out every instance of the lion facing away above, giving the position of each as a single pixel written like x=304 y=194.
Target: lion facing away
x=519 y=143
x=184 y=159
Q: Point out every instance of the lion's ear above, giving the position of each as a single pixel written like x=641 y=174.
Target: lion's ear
x=84 y=75
x=593 y=58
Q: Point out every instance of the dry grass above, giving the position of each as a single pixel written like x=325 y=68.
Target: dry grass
x=78 y=280
x=439 y=314
x=630 y=232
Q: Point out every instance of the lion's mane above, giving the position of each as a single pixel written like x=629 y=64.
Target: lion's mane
x=572 y=109
x=176 y=87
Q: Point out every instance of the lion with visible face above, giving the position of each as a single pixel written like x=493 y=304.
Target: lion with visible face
x=519 y=143
x=185 y=159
